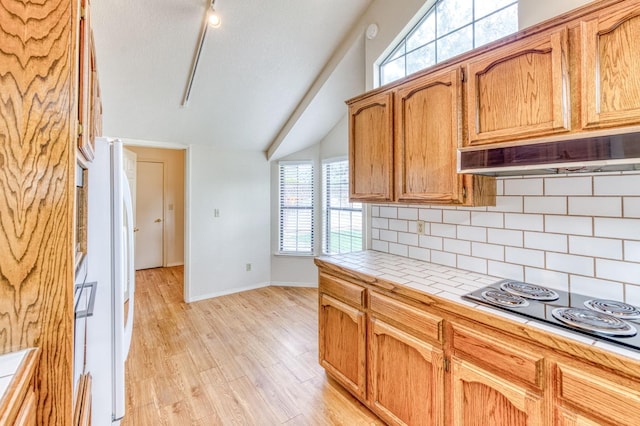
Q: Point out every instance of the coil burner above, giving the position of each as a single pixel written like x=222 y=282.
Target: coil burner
x=613 y=307
x=590 y=320
x=529 y=291
x=502 y=298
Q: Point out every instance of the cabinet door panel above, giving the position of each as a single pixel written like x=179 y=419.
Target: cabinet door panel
x=611 y=65
x=342 y=343
x=406 y=377
x=520 y=90
x=371 y=148
x=482 y=398
x=428 y=130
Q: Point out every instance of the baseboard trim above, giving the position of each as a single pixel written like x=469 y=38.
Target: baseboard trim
x=169 y=265
x=226 y=292
x=292 y=284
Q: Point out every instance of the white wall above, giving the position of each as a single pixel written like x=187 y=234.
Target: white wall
x=531 y=12
x=237 y=184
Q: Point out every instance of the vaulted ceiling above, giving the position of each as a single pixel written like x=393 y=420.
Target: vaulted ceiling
x=274 y=75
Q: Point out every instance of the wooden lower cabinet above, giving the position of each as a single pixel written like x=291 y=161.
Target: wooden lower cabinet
x=406 y=376
x=479 y=397
x=342 y=345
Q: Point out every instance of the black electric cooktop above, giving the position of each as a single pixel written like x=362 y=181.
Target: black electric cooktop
x=603 y=319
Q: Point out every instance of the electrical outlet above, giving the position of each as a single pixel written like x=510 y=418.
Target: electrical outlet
x=216 y=213
x=248 y=267
x=420 y=227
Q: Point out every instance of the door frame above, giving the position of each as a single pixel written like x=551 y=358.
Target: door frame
x=187 y=202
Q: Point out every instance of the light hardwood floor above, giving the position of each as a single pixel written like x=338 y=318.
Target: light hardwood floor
x=246 y=359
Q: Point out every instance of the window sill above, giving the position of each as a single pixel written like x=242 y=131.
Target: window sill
x=294 y=254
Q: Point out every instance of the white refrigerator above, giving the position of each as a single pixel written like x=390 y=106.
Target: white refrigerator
x=110 y=264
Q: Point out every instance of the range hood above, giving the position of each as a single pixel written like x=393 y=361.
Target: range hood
x=602 y=153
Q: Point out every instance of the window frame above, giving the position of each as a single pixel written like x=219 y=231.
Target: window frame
x=282 y=208
x=326 y=208
x=401 y=44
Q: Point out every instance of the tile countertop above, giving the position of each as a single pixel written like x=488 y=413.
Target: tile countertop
x=9 y=364
x=448 y=283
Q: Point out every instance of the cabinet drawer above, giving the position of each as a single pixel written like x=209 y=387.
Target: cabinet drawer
x=410 y=317
x=341 y=289
x=499 y=355
x=597 y=395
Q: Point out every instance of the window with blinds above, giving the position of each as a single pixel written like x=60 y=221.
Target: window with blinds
x=342 y=219
x=296 y=208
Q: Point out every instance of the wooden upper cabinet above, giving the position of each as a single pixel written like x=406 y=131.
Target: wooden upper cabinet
x=483 y=398
x=427 y=134
x=611 y=66
x=371 y=148
x=520 y=90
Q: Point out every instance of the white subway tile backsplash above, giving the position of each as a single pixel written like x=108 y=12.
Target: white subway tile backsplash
x=407 y=239
x=389 y=212
x=544 y=241
x=512 y=204
x=595 y=206
x=579 y=265
x=488 y=219
x=488 y=251
x=430 y=215
x=568 y=225
x=506 y=270
x=407 y=213
x=443 y=258
x=595 y=247
x=457 y=246
x=579 y=232
x=443 y=230
x=617 y=185
x=547 y=278
x=527 y=186
x=472 y=233
x=456 y=217
x=398 y=225
x=525 y=222
x=390 y=236
x=626 y=272
x=430 y=242
x=568 y=185
x=505 y=237
x=380 y=223
x=617 y=228
x=419 y=253
x=549 y=205
x=632 y=251
x=378 y=245
x=399 y=249
x=597 y=288
x=472 y=264
x=525 y=257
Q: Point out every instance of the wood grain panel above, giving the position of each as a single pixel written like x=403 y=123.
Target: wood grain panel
x=371 y=148
x=342 y=346
x=36 y=202
x=410 y=317
x=520 y=91
x=611 y=65
x=427 y=134
x=596 y=395
x=406 y=377
x=565 y=417
x=514 y=362
x=342 y=289
x=481 y=398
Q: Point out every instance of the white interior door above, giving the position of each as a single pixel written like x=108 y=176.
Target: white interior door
x=149 y=242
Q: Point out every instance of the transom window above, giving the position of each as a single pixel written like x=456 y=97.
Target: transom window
x=449 y=28
x=342 y=219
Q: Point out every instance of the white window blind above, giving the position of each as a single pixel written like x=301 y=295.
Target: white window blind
x=342 y=219
x=296 y=208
